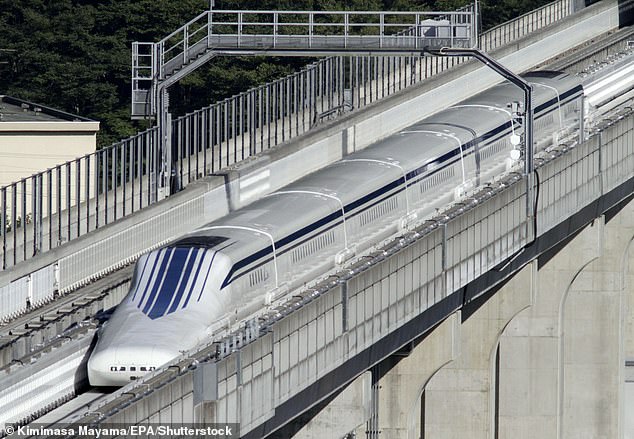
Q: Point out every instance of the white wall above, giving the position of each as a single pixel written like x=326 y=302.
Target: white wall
x=27 y=148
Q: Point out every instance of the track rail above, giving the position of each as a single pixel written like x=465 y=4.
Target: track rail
x=30 y=332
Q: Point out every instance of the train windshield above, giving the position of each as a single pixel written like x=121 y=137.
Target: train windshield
x=169 y=279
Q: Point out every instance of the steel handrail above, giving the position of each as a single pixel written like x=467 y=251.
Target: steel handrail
x=528 y=14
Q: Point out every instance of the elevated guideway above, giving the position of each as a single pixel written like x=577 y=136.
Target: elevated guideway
x=303 y=351
x=357 y=142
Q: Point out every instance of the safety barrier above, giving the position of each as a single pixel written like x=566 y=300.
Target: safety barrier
x=320 y=328
x=28 y=390
x=58 y=205
x=32 y=290
x=520 y=27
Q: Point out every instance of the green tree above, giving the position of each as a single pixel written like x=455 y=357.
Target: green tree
x=75 y=55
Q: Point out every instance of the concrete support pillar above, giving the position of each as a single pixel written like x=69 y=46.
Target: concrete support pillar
x=562 y=361
x=627 y=410
x=400 y=389
x=625 y=222
x=345 y=413
x=529 y=347
x=460 y=398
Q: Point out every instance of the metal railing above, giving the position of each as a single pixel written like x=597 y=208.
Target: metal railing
x=300 y=30
x=50 y=208
x=525 y=24
x=290 y=33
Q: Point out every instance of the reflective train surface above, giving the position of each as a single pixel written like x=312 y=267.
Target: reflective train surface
x=185 y=292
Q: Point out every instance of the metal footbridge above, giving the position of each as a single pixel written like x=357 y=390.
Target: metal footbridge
x=102 y=213
x=156 y=66
x=289 y=33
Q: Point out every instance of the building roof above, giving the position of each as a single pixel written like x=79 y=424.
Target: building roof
x=18 y=110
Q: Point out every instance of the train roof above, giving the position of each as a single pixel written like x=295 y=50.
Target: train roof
x=387 y=160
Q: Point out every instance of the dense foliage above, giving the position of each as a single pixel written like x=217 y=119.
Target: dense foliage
x=75 y=54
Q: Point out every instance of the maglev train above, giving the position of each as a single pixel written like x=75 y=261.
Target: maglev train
x=184 y=292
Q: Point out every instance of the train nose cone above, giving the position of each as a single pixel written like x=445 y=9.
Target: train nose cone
x=100 y=372
x=117 y=366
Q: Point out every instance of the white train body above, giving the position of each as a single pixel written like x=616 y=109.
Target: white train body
x=218 y=274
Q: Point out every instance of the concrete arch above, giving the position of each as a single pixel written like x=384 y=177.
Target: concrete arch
x=401 y=387
x=411 y=421
x=561 y=345
x=591 y=334
x=627 y=314
x=494 y=351
x=528 y=374
x=464 y=386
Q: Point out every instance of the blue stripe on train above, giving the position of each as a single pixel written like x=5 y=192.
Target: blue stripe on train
x=166 y=291
x=189 y=294
x=202 y=290
x=379 y=192
x=138 y=280
x=161 y=275
x=177 y=263
x=151 y=277
x=188 y=269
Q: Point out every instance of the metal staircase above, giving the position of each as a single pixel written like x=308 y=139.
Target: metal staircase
x=143 y=75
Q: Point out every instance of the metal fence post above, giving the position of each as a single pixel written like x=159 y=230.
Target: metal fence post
x=3 y=226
